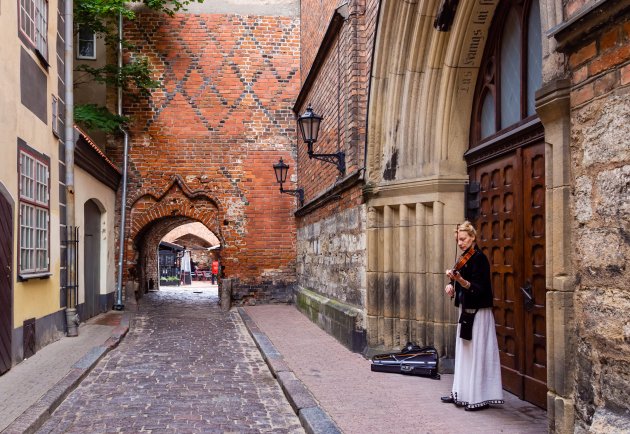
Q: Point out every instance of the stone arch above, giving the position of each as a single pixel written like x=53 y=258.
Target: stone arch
x=422 y=86
x=146 y=243
x=425 y=79
x=174 y=200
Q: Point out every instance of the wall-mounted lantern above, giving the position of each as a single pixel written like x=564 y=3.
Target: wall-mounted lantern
x=282 y=169
x=309 y=126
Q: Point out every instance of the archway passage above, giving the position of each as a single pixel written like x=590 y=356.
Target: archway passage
x=154 y=216
x=147 y=244
x=6 y=282
x=92 y=258
x=188 y=254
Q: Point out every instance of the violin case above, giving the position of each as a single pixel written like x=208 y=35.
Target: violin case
x=411 y=360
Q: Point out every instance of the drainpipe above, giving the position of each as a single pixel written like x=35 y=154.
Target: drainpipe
x=118 y=305
x=72 y=320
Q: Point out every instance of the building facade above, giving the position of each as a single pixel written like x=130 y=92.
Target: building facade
x=510 y=114
x=203 y=144
x=33 y=194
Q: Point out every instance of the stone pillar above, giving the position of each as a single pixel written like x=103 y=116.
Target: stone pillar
x=437 y=276
x=388 y=281
x=421 y=275
x=373 y=277
x=552 y=105
x=403 y=259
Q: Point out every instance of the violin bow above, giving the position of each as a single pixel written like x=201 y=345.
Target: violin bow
x=456 y=232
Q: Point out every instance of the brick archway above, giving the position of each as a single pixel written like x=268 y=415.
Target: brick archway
x=152 y=216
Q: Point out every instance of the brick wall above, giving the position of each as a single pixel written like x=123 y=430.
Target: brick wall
x=202 y=146
x=315 y=16
x=331 y=244
x=600 y=161
x=601 y=65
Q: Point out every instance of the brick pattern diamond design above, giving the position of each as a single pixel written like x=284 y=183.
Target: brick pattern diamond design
x=219 y=119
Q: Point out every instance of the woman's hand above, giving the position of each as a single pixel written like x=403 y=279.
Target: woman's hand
x=455 y=276
x=450 y=290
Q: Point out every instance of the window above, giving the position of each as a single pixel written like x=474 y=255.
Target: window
x=86 y=44
x=34 y=24
x=56 y=121
x=511 y=71
x=34 y=212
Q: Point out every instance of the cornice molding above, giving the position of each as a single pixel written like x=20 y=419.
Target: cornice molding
x=332 y=193
x=527 y=133
x=418 y=186
x=579 y=29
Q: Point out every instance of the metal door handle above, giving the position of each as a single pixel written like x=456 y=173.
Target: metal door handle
x=528 y=299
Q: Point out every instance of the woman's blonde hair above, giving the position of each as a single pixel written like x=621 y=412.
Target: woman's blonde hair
x=467 y=227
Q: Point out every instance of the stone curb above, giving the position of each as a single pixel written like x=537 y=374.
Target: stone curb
x=312 y=417
x=37 y=414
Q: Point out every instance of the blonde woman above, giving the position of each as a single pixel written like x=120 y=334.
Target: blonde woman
x=477 y=380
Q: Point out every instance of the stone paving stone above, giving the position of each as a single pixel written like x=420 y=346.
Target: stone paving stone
x=184 y=367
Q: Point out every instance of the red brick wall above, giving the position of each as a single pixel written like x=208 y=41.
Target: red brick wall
x=219 y=120
x=315 y=16
x=331 y=259
x=340 y=95
x=601 y=65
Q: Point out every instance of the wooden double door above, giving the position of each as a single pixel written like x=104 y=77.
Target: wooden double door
x=511 y=224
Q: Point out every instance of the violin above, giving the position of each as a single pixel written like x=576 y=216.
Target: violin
x=462 y=261
x=464 y=258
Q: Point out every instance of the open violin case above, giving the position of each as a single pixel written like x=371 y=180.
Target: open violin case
x=411 y=360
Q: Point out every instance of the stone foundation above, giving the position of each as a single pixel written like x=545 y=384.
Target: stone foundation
x=338 y=319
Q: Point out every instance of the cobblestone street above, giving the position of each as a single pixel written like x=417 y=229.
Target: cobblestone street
x=185 y=366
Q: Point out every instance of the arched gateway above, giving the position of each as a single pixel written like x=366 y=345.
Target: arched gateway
x=153 y=216
x=453 y=133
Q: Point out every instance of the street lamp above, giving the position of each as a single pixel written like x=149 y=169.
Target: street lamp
x=281 y=170
x=309 y=126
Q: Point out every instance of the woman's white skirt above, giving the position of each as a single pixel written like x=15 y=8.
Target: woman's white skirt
x=477 y=379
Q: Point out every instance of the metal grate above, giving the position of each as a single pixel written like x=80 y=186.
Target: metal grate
x=72 y=260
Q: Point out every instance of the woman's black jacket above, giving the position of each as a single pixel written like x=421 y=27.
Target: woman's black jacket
x=477 y=272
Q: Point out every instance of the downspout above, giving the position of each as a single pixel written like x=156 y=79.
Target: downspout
x=118 y=305
x=72 y=320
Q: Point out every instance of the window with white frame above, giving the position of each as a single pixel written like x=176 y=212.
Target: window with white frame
x=86 y=44
x=34 y=23
x=34 y=213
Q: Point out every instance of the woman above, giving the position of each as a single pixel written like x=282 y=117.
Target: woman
x=477 y=382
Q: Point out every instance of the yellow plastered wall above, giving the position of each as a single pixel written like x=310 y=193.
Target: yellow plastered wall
x=33 y=298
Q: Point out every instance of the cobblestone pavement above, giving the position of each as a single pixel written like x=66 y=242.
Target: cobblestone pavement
x=184 y=367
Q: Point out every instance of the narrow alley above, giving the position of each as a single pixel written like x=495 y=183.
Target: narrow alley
x=185 y=366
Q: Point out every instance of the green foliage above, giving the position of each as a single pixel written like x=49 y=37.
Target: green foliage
x=136 y=73
x=101 y=16
x=95 y=117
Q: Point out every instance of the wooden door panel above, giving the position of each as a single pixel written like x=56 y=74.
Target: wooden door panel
x=535 y=363
x=498 y=224
x=511 y=225
x=6 y=283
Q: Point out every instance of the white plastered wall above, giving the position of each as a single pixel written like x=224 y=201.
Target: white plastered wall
x=89 y=188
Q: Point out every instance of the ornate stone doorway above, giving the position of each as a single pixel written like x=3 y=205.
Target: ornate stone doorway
x=506 y=163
